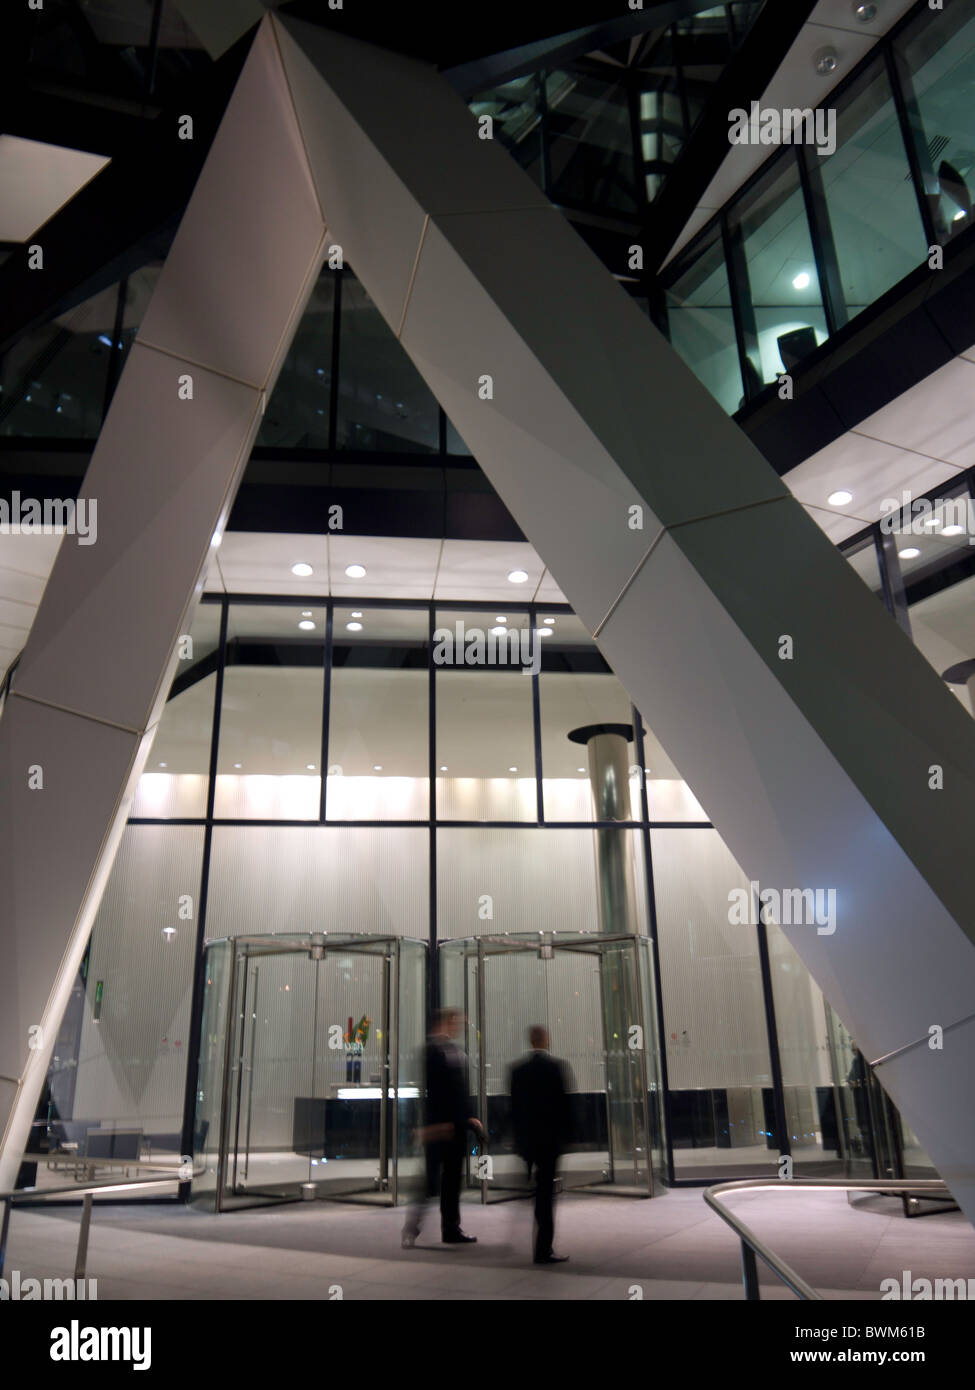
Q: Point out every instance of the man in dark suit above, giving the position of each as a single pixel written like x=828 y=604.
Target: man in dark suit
x=445 y=1132
x=542 y=1130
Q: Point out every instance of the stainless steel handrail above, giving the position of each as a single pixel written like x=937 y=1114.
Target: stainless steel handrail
x=752 y=1246
x=25 y=1194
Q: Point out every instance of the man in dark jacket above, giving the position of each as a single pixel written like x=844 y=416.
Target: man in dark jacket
x=445 y=1132
x=541 y=1120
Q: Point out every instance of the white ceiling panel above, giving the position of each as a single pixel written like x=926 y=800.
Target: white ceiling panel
x=837 y=527
x=260 y=563
x=36 y=179
x=934 y=417
x=480 y=569
x=396 y=566
x=870 y=469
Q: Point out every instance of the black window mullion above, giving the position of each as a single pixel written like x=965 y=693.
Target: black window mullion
x=823 y=241
x=537 y=715
x=658 y=1000
x=775 y=1061
x=333 y=399
x=188 y=1143
x=326 y=711
x=742 y=310
x=912 y=133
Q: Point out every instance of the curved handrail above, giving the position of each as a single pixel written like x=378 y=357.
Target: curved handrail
x=752 y=1246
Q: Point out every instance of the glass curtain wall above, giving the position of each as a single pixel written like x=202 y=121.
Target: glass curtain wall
x=814 y=239
x=553 y=809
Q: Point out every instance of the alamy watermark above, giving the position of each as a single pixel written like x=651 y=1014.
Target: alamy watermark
x=17 y=1289
x=923 y=1290
x=787 y=125
x=499 y=646
x=923 y=516
x=54 y=516
x=786 y=907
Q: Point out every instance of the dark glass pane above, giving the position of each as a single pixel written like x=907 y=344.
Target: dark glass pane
x=297 y=413
x=384 y=403
x=786 y=308
x=872 y=206
x=590 y=142
x=52 y=382
x=702 y=326
x=937 y=53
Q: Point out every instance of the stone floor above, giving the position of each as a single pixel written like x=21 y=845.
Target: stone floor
x=672 y=1247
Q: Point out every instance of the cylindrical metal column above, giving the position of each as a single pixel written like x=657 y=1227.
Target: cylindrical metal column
x=606 y=745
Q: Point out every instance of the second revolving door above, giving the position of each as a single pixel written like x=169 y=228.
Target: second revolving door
x=593 y=993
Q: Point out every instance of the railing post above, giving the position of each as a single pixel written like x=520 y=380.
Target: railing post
x=82 y=1257
x=749 y=1273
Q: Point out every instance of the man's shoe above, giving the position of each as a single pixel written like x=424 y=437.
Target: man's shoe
x=459 y=1238
x=551 y=1259
x=409 y=1240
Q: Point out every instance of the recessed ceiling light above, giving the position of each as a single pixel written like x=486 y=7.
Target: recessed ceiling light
x=356 y=571
x=544 y=631
x=306 y=625
x=238 y=764
x=512 y=769
x=802 y=280
x=865 y=10
x=310 y=767
x=911 y=553
x=501 y=618
x=840 y=499
x=162 y=764
x=580 y=769
x=960 y=215
x=931 y=522
x=549 y=622
x=354 y=627
x=953 y=530
x=517 y=577
x=825 y=61
x=377 y=767
x=498 y=631
x=301 y=569
x=444 y=768
x=357 y=615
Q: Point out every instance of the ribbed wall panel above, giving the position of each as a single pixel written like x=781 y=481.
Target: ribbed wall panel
x=710 y=976
x=292 y=879
x=800 y=1017
x=133 y=1058
x=540 y=880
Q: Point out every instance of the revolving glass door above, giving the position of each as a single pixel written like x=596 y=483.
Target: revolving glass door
x=594 y=994
x=310 y=1068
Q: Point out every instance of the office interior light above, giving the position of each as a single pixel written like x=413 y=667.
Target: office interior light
x=517 y=577
x=802 y=280
x=306 y=625
x=354 y=627
x=840 y=498
x=911 y=553
x=356 y=571
x=301 y=569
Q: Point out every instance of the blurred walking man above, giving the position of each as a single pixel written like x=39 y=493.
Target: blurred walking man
x=445 y=1132
x=542 y=1129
